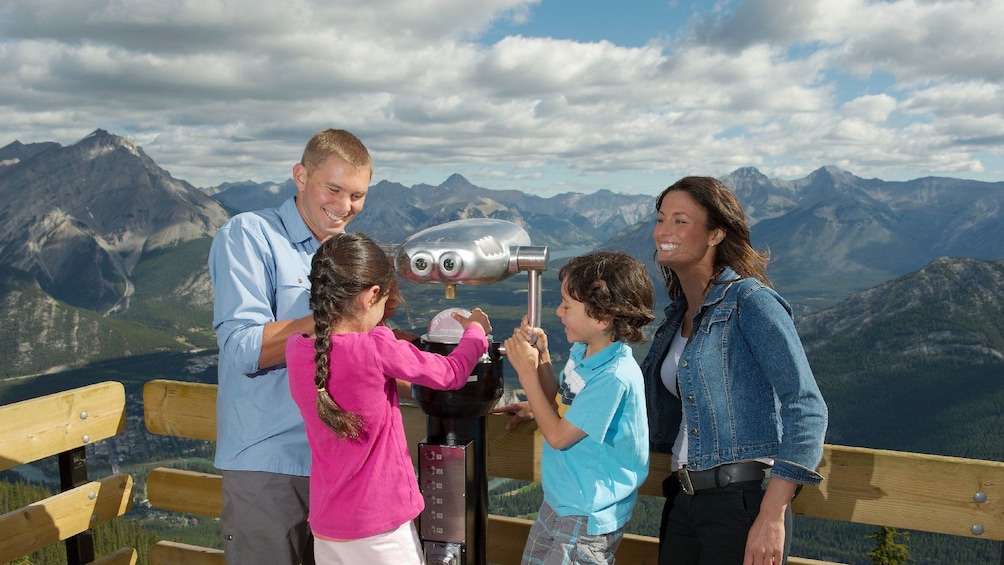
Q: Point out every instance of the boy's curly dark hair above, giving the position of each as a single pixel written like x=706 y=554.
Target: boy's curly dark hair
x=613 y=286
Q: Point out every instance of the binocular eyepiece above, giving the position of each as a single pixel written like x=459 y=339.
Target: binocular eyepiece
x=472 y=251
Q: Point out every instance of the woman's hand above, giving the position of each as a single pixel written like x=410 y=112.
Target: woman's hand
x=520 y=411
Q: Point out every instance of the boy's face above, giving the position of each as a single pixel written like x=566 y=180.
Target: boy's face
x=579 y=327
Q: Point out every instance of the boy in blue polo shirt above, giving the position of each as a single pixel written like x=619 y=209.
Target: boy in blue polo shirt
x=592 y=415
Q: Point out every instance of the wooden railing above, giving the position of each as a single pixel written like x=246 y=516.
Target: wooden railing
x=63 y=424
x=948 y=495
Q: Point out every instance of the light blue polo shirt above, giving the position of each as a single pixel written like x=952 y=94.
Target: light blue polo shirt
x=598 y=476
x=259 y=264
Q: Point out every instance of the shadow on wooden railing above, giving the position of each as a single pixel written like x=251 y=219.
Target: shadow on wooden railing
x=62 y=424
x=948 y=495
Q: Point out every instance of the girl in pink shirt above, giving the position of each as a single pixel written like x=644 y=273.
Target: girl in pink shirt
x=363 y=492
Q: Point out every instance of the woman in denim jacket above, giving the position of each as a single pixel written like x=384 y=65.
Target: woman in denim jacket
x=729 y=390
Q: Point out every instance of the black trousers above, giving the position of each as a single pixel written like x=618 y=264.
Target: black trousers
x=711 y=526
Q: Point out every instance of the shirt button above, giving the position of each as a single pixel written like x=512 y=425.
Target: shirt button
x=693 y=432
x=683 y=363
x=690 y=398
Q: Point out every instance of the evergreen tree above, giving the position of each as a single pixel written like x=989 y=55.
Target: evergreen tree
x=887 y=550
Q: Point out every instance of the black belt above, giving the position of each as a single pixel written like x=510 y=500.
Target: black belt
x=723 y=475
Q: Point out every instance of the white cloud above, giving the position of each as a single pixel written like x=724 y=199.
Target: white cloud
x=873 y=108
x=222 y=90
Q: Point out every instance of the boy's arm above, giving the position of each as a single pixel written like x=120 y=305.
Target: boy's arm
x=540 y=385
x=545 y=371
x=545 y=375
x=557 y=431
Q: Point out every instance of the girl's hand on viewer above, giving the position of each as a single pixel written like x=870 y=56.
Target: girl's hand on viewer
x=477 y=316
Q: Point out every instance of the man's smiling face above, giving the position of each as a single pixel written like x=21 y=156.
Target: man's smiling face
x=330 y=196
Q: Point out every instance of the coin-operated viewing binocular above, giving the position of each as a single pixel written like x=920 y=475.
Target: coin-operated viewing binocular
x=452 y=460
x=473 y=251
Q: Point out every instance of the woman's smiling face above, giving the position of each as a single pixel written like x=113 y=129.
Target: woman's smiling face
x=681 y=235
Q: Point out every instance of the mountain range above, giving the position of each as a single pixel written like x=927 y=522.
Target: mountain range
x=898 y=287
x=103 y=253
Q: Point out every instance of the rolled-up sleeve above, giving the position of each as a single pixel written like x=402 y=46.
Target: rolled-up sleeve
x=239 y=265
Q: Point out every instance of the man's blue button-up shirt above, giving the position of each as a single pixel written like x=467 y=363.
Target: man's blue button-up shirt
x=259 y=263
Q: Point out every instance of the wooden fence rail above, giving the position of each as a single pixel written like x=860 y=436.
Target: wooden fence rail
x=63 y=424
x=948 y=495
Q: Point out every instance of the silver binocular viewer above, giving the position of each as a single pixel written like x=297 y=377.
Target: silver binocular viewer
x=473 y=251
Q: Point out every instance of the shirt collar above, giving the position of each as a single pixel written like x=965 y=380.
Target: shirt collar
x=295 y=226
x=602 y=356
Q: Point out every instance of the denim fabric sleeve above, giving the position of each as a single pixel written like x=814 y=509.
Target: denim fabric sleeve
x=245 y=290
x=767 y=326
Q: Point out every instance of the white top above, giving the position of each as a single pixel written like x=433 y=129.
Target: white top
x=670 y=369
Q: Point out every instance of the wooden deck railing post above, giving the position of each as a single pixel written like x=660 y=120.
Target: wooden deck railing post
x=72 y=474
x=62 y=424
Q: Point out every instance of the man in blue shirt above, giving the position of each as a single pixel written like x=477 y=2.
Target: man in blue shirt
x=259 y=263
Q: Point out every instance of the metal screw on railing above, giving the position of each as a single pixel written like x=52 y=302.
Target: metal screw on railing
x=980 y=497
x=92 y=495
x=87 y=439
x=977 y=529
x=83 y=415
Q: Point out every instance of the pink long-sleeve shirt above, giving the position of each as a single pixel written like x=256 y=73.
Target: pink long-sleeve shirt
x=360 y=488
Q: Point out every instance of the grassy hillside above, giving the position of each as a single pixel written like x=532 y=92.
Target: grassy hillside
x=173 y=292
x=39 y=333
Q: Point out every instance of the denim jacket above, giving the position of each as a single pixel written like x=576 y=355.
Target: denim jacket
x=746 y=381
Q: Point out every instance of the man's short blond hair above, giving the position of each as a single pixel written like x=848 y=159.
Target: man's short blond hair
x=336 y=142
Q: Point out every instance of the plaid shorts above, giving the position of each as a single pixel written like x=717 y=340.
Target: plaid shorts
x=562 y=540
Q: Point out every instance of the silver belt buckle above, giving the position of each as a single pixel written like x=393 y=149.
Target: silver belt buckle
x=684 y=477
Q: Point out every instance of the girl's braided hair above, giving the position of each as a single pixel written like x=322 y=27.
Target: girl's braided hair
x=345 y=265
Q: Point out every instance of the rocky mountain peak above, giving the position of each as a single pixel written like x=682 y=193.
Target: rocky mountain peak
x=16 y=152
x=457 y=182
x=79 y=217
x=897 y=316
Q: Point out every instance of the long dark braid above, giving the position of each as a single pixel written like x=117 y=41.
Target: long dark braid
x=344 y=266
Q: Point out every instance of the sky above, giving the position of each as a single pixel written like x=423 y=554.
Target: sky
x=543 y=96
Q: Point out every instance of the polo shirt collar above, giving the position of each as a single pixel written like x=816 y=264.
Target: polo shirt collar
x=602 y=356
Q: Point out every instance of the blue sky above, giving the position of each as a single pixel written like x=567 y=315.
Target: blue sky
x=544 y=96
x=628 y=23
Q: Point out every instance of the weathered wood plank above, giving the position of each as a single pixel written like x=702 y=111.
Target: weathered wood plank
x=40 y=427
x=180 y=409
x=124 y=556
x=41 y=524
x=913 y=491
x=174 y=553
x=185 y=491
